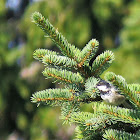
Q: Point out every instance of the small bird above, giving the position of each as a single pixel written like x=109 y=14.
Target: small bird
x=109 y=93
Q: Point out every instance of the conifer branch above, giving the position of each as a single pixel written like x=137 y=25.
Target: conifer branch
x=61 y=61
x=90 y=87
x=90 y=126
x=84 y=85
x=68 y=109
x=101 y=63
x=52 y=96
x=111 y=134
x=135 y=88
x=88 y=52
x=90 y=120
x=66 y=48
x=84 y=70
x=40 y=53
x=118 y=113
x=79 y=133
x=63 y=75
x=84 y=134
x=119 y=81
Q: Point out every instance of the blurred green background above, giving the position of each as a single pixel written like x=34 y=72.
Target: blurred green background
x=116 y=24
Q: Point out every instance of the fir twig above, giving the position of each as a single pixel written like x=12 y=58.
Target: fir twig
x=63 y=75
x=118 y=113
x=101 y=63
x=60 y=61
x=88 y=52
x=52 y=96
x=111 y=134
x=119 y=81
x=81 y=87
x=40 y=53
x=66 y=48
x=90 y=87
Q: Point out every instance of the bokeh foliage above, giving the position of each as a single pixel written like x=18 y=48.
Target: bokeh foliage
x=114 y=23
x=128 y=53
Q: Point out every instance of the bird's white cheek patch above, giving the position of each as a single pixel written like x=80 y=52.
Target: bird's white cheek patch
x=102 y=88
